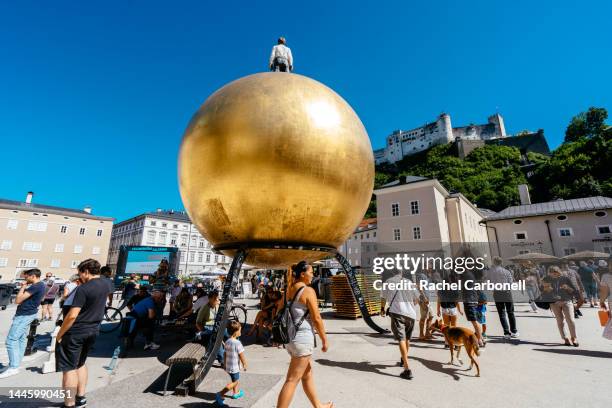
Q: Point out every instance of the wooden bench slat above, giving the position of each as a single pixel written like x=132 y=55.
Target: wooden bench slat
x=190 y=353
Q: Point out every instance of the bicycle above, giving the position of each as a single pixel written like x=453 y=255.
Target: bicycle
x=238 y=313
x=112 y=320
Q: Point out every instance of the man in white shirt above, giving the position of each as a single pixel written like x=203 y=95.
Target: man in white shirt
x=401 y=310
x=281 y=58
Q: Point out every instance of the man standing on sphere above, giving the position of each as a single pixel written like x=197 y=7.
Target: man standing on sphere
x=281 y=58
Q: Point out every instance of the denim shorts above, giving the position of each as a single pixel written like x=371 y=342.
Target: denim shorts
x=234 y=376
x=299 y=349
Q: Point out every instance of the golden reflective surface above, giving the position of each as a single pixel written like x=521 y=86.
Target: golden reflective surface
x=276 y=157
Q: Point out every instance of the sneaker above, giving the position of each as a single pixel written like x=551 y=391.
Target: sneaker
x=80 y=402
x=219 y=400
x=9 y=372
x=515 y=335
x=152 y=346
x=239 y=394
x=406 y=375
x=507 y=336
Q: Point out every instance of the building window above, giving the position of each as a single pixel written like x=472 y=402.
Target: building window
x=55 y=263
x=604 y=229
x=78 y=249
x=59 y=247
x=173 y=239
x=153 y=223
x=191 y=257
x=162 y=237
x=183 y=240
x=24 y=263
x=416 y=232
x=82 y=231
x=520 y=236
x=600 y=213
x=12 y=224
x=151 y=237
x=6 y=245
x=182 y=256
x=207 y=258
x=95 y=250
x=37 y=226
x=201 y=244
x=175 y=226
x=32 y=246
x=517 y=222
x=3 y=262
x=374 y=234
x=562 y=217
x=395 y=210
x=569 y=251
x=565 y=232
x=74 y=264
x=216 y=258
x=397 y=234
x=64 y=229
x=523 y=251
x=164 y=225
x=200 y=257
x=414 y=208
x=99 y=232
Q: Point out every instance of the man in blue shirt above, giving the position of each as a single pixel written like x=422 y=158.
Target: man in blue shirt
x=145 y=313
x=28 y=299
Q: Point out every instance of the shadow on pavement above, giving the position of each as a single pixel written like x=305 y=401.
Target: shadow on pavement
x=578 y=352
x=363 y=366
x=452 y=371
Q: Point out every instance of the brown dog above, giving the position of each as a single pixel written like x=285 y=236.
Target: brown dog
x=459 y=336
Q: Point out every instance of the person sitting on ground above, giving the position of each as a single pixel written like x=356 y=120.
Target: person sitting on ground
x=269 y=307
x=281 y=58
x=145 y=313
x=142 y=293
x=183 y=305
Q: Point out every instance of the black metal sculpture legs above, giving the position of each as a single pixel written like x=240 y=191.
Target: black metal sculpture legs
x=352 y=279
x=216 y=339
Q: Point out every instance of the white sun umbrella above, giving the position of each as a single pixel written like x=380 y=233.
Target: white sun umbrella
x=533 y=256
x=587 y=255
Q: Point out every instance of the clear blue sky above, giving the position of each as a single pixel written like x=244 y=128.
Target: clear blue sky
x=95 y=96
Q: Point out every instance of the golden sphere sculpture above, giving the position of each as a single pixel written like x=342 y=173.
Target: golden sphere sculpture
x=275 y=158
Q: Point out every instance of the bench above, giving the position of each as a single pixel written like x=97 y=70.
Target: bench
x=190 y=353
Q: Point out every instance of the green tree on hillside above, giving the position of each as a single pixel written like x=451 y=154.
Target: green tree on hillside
x=586 y=125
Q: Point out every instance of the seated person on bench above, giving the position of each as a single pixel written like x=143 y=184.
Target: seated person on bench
x=206 y=320
x=183 y=305
x=145 y=313
x=201 y=299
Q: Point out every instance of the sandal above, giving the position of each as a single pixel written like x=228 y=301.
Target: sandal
x=567 y=342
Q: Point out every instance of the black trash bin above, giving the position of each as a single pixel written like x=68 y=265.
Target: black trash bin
x=6 y=291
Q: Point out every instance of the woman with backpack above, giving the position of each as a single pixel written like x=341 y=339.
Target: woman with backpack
x=301 y=337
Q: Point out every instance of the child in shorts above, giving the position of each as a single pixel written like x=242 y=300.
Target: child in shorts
x=481 y=312
x=234 y=355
